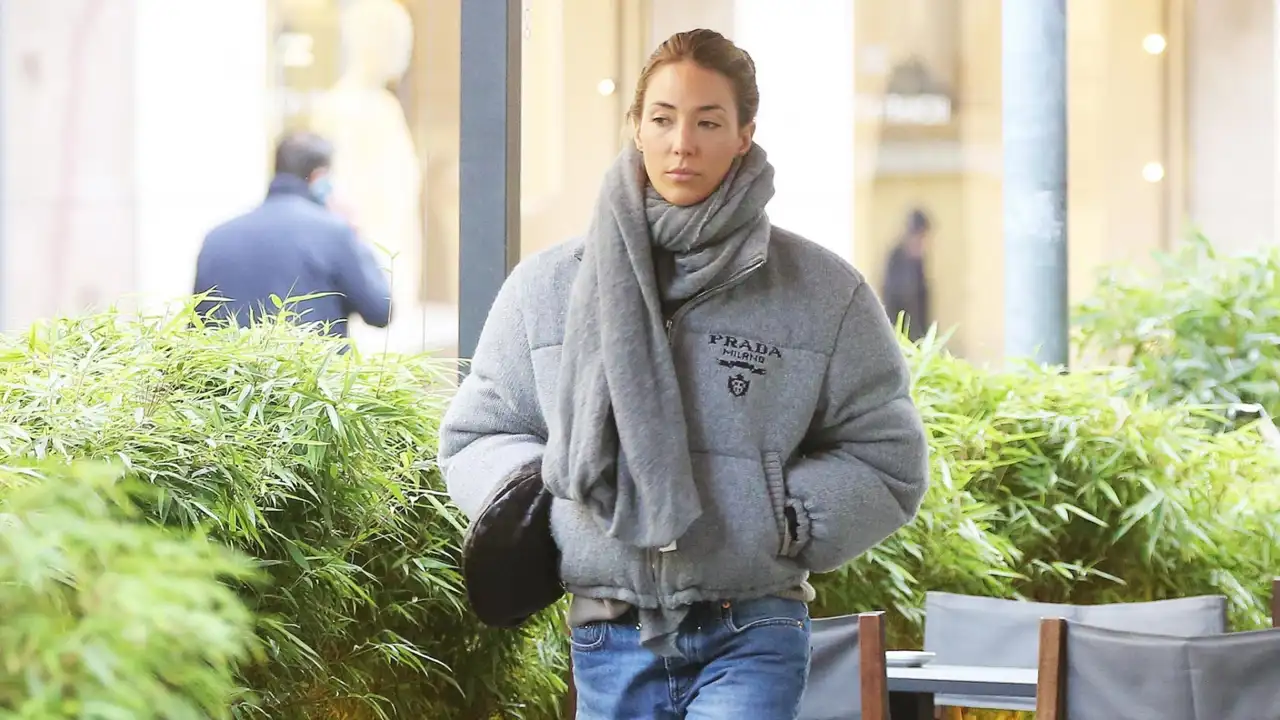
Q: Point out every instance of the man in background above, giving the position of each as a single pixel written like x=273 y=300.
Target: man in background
x=293 y=246
x=906 y=289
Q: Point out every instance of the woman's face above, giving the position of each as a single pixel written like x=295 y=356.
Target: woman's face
x=688 y=132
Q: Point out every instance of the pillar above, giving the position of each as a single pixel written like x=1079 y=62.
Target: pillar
x=1034 y=42
x=201 y=118
x=809 y=136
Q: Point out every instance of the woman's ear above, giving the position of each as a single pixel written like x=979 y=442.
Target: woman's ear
x=747 y=136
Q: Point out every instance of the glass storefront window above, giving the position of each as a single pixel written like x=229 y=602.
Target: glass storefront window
x=580 y=58
x=380 y=78
x=918 y=94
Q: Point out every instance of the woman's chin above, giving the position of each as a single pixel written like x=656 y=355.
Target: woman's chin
x=681 y=195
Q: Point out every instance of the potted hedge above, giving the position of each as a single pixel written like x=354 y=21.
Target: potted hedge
x=105 y=615
x=1071 y=487
x=317 y=463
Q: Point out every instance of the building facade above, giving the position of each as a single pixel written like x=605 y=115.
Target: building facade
x=130 y=127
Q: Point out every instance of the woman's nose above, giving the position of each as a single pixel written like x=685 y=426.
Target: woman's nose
x=685 y=143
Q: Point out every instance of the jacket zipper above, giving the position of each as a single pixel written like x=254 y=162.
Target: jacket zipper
x=655 y=555
x=697 y=299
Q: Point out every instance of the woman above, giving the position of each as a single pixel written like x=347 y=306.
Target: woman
x=718 y=406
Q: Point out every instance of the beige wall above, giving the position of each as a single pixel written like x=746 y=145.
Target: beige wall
x=437 y=91
x=128 y=134
x=571 y=132
x=68 y=162
x=1232 y=120
x=668 y=17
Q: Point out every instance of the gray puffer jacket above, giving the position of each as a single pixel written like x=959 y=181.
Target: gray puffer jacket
x=806 y=447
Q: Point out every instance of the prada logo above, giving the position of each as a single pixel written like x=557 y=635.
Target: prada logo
x=747 y=357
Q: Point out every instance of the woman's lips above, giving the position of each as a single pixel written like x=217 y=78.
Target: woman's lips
x=681 y=175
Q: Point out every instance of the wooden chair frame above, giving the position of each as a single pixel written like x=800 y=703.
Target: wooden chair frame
x=872 y=666
x=1275 y=603
x=1051 y=687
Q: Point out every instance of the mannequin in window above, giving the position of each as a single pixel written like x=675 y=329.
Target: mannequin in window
x=376 y=170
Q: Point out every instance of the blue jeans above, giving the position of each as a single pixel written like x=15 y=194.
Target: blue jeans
x=741 y=660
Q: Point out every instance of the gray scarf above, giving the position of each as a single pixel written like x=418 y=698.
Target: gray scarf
x=619 y=443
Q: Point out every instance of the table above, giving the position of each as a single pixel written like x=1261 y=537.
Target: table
x=911 y=690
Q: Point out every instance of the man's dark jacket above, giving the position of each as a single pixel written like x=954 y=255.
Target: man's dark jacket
x=291 y=246
x=906 y=291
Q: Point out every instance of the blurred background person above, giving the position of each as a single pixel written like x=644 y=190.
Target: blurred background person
x=906 y=287
x=294 y=245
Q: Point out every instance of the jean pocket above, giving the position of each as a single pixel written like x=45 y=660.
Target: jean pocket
x=589 y=637
x=764 y=612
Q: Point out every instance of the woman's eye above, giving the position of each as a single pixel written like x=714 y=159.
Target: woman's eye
x=661 y=121
x=709 y=124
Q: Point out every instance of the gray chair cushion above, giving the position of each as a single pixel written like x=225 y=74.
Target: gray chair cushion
x=1122 y=675
x=994 y=632
x=834 y=691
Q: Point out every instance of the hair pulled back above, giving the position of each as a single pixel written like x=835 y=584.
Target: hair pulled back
x=711 y=51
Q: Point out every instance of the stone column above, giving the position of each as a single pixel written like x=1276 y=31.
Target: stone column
x=201 y=118
x=808 y=132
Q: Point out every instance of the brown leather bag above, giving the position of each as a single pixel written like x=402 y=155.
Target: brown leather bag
x=510 y=562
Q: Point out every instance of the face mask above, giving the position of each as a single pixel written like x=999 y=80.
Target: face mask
x=321 y=188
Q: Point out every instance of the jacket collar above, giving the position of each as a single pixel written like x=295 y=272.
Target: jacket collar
x=290 y=185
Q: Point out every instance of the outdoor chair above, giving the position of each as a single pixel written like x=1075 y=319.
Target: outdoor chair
x=847 y=674
x=994 y=632
x=1087 y=673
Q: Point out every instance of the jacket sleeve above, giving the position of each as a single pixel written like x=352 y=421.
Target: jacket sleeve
x=494 y=425
x=863 y=469
x=362 y=281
